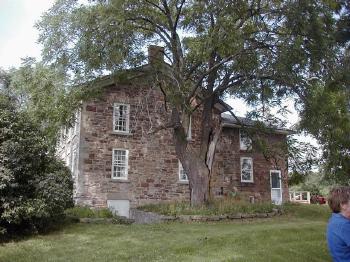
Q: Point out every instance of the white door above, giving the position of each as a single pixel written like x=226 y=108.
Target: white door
x=119 y=207
x=276 y=187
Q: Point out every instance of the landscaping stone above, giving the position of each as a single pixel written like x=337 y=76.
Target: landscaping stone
x=199 y=218
x=222 y=217
x=235 y=216
x=184 y=218
x=261 y=215
x=96 y=220
x=142 y=217
x=213 y=218
x=169 y=218
x=248 y=215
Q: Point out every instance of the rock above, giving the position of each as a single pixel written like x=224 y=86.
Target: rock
x=199 y=218
x=169 y=218
x=261 y=215
x=235 y=216
x=271 y=214
x=213 y=218
x=184 y=218
x=248 y=215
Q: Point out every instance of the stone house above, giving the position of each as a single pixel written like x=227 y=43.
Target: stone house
x=117 y=163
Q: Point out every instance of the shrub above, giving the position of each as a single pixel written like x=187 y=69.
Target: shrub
x=35 y=188
x=217 y=207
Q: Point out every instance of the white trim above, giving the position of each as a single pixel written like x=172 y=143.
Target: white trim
x=126 y=164
x=127 y=120
x=242 y=145
x=179 y=173
x=252 y=170
x=280 y=188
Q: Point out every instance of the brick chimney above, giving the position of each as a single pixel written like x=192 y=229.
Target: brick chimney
x=155 y=54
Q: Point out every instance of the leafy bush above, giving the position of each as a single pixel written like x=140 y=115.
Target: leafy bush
x=217 y=207
x=35 y=188
x=86 y=212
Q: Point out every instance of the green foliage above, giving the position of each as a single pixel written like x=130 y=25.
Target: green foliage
x=35 y=188
x=218 y=207
x=326 y=116
x=84 y=212
x=314 y=182
x=44 y=94
x=261 y=51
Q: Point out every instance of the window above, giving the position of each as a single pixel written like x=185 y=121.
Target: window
x=246 y=169
x=182 y=174
x=121 y=118
x=120 y=164
x=245 y=141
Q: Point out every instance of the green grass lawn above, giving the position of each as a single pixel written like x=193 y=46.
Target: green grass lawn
x=298 y=236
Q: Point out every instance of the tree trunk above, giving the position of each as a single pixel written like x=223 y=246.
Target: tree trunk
x=198 y=174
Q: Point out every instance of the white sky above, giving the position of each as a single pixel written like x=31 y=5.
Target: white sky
x=18 y=39
x=17 y=33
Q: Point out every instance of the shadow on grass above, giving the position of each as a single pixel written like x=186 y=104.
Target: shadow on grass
x=52 y=228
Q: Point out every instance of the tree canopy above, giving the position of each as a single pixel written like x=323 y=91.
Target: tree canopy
x=261 y=51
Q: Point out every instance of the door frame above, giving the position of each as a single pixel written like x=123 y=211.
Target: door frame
x=280 y=188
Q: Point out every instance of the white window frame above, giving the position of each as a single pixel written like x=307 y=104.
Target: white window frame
x=243 y=145
x=126 y=165
x=127 y=119
x=181 y=172
x=281 y=185
x=251 y=172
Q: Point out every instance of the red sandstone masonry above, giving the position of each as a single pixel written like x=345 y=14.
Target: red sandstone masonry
x=153 y=165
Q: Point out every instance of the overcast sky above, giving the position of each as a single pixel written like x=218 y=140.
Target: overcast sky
x=17 y=33
x=18 y=37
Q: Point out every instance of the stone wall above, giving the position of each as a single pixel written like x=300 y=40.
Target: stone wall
x=153 y=165
x=227 y=170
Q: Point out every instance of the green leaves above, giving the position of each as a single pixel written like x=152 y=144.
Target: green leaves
x=34 y=186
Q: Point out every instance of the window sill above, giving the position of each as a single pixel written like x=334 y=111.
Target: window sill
x=120 y=133
x=183 y=182
x=247 y=182
x=116 y=180
x=246 y=150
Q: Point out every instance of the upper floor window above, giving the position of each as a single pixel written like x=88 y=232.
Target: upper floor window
x=246 y=169
x=245 y=142
x=121 y=113
x=120 y=164
x=182 y=174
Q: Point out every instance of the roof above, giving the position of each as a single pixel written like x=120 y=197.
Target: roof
x=230 y=121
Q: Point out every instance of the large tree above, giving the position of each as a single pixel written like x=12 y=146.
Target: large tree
x=326 y=111
x=262 y=51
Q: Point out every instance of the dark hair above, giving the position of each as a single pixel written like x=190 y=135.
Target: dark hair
x=338 y=196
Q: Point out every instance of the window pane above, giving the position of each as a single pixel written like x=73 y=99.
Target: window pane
x=121 y=116
x=119 y=164
x=182 y=174
x=245 y=141
x=275 y=180
x=246 y=169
